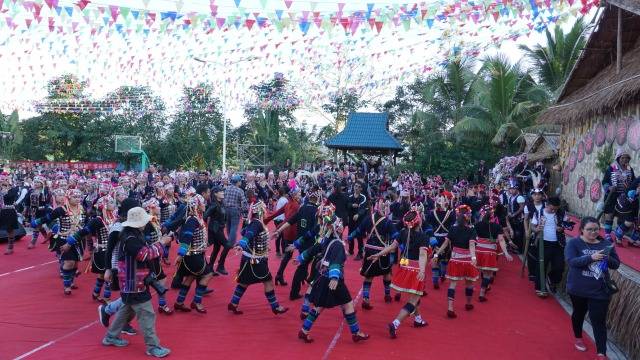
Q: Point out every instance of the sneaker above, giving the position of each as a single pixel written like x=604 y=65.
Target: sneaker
x=129 y=330
x=118 y=342
x=158 y=351
x=103 y=316
x=580 y=346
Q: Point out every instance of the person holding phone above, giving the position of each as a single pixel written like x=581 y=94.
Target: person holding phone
x=590 y=258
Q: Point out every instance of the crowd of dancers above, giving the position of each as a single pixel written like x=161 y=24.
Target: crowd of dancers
x=396 y=229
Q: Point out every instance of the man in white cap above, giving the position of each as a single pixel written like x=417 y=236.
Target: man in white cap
x=135 y=278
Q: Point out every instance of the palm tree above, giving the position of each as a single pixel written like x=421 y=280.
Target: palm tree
x=508 y=99
x=553 y=63
x=449 y=93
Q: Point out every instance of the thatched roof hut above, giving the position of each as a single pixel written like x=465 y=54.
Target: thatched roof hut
x=599 y=110
x=594 y=87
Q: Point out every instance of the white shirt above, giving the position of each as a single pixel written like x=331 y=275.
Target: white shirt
x=281 y=202
x=549 y=232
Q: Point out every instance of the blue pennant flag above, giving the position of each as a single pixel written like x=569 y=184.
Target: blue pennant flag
x=135 y=14
x=369 y=10
x=279 y=14
x=168 y=15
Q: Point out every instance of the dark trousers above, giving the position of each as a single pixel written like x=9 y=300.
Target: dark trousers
x=280 y=244
x=597 y=314
x=518 y=234
x=284 y=261
x=553 y=263
x=219 y=242
x=302 y=271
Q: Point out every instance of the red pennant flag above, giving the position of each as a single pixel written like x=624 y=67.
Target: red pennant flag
x=345 y=23
x=51 y=3
x=379 y=26
x=28 y=21
x=249 y=23
x=83 y=4
x=372 y=23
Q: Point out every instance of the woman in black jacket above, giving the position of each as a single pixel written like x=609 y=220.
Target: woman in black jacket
x=216 y=218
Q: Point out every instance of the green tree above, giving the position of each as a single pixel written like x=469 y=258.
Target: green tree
x=340 y=105
x=195 y=134
x=553 y=63
x=508 y=99
x=11 y=124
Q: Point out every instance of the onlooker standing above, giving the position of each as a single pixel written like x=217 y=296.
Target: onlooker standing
x=235 y=202
x=590 y=259
x=282 y=201
x=133 y=274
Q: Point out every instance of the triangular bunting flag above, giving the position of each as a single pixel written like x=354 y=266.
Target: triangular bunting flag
x=288 y=3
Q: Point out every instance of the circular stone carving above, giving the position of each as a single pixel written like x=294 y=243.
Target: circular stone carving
x=581 y=187
x=633 y=137
x=621 y=131
x=573 y=160
x=580 y=151
x=601 y=134
x=588 y=143
x=596 y=190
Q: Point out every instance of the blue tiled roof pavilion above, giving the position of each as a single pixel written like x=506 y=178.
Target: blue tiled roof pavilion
x=366 y=132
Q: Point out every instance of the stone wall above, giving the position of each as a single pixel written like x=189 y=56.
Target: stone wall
x=579 y=148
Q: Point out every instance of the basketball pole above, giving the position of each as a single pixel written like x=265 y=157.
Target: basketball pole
x=224 y=115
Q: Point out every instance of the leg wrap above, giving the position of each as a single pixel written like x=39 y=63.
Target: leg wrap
x=184 y=289
x=107 y=290
x=451 y=294
x=409 y=308
x=200 y=289
x=353 y=322
x=98 y=287
x=271 y=298
x=162 y=300
x=237 y=294
x=305 y=304
x=67 y=277
x=608 y=225
x=311 y=318
x=468 y=291
x=435 y=275
x=387 y=287
x=366 y=288
x=485 y=282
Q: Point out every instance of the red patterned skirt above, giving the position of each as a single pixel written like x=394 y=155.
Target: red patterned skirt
x=405 y=279
x=460 y=266
x=487 y=255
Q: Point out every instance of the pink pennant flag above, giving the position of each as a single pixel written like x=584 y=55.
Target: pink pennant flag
x=220 y=22
x=51 y=3
x=340 y=7
x=28 y=21
x=379 y=26
x=249 y=23
x=288 y=3
x=83 y=4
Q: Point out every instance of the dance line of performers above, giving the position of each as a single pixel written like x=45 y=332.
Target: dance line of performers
x=406 y=230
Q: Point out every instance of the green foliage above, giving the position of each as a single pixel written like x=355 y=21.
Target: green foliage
x=605 y=158
x=11 y=124
x=552 y=63
x=340 y=105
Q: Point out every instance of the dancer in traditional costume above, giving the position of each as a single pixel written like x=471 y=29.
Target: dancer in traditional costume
x=191 y=256
x=8 y=215
x=462 y=266
x=152 y=235
x=38 y=200
x=380 y=233
x=490 y=235
x=616 y=182
x=410 y=275
x=70 y=250
x=358 y=209
x=305 y=220
x=329 y=289
x=438 y=222
x=98 y=227
x=254 y=265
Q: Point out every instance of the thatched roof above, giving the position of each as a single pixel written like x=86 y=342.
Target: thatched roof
x=541 y=146
x=593 y=87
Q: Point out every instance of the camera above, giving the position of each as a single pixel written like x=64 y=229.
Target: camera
x=152 y=280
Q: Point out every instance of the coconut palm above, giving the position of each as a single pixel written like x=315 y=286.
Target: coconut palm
x=553 y=63
x=508 y=99
x=449 y=93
